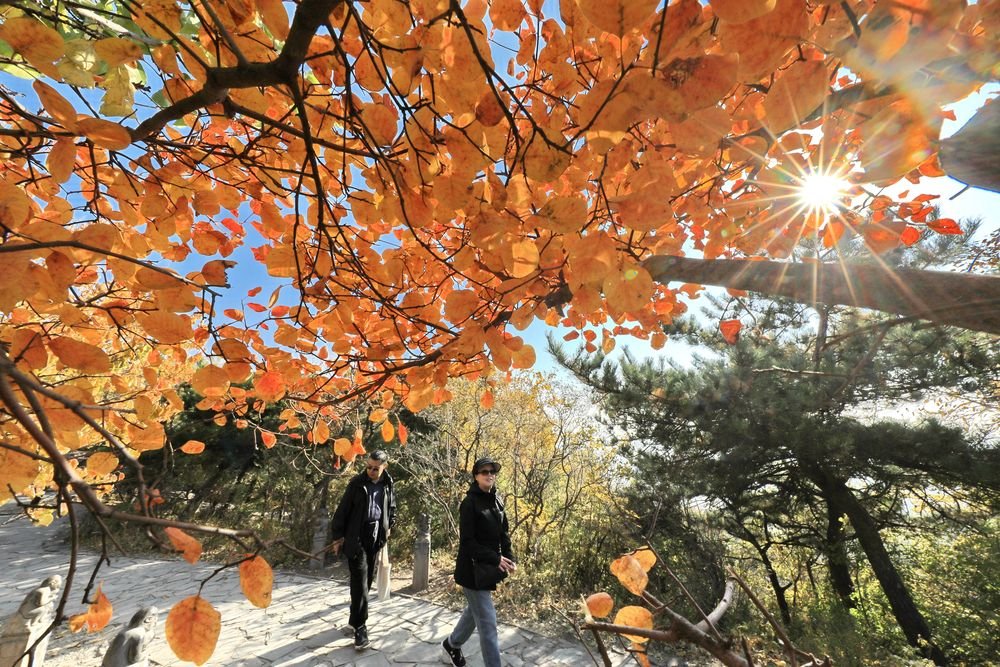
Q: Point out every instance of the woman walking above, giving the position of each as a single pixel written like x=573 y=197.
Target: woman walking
x=484 y=559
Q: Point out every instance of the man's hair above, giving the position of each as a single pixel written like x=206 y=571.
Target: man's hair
x=379 y=455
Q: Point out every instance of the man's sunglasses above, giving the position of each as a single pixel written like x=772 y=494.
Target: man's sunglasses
x=373 y=468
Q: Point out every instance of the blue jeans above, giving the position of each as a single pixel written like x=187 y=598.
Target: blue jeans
x=479 y=614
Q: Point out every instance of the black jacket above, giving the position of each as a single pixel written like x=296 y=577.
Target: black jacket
x=483 y=534
x=352 y=513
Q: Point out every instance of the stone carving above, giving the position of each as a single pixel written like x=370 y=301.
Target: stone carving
x=27 y=624
x=130 y=647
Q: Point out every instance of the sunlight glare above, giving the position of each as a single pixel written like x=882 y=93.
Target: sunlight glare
x=822 y=192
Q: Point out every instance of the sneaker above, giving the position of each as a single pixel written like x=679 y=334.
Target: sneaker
x=361 y=641
x=451 y=655
x=348 y=630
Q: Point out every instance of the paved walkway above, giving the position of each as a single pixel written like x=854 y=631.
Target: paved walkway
x=300 y=628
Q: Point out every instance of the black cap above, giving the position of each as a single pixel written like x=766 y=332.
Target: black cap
x=482 y=463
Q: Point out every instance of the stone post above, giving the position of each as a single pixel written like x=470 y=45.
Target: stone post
x=422 y=554
x=321 y=530
x=26 y=625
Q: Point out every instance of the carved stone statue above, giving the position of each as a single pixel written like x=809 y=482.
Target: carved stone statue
x=130 y=647
x=27 y=624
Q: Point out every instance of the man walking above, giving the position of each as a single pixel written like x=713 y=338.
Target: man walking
x=361 y=526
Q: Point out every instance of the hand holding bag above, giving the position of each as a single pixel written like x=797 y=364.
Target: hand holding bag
x=487 y=575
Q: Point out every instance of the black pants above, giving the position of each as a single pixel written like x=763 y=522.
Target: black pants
x=362 y=566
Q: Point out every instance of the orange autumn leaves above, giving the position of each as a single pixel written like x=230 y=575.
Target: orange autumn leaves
x=97 y=616
x=441 y=258
x=193 y=624
x=631 y=570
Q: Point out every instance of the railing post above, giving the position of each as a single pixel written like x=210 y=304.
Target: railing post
x=422 y=554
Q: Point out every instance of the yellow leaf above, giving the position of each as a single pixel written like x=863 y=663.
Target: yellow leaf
x=704 y=80
x=214 y=271
x=79 y=66
x=646 y=558
x=61 y=159
x=256 y=581
x=116 y=51
x=17 y=472
x=274 y=16
x=15 y=206
x=525 y=258
x=378 y=415
x=741 y=11
x=544 y=157
x=388 y=432
x=167 y=328
x=210 y=381
x=524 y=357
x=630 y=573
x=320 y=432
x=189 y=547
x=56 y=105
x=618 y=16
x=79 y=355
x=342 y=446
x=600 y=604
x=119 y=98
x=100 y=464
x=105 y=134
x=763 y=42
x=151 y=437
x=38 y=43
x=28 y=349
x=193 y=447
x=159 y=18
x=799 y=91
x=564 y=215
x=629 y=290
x=635 y=617
x=896 y=140
x=459 y=305
x=381 y=123
x=192 y=629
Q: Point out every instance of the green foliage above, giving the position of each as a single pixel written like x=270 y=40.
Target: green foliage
x=773 y=440
x=236 y=481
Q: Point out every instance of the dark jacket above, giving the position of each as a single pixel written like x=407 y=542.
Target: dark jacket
x=352 y=513
x=483 y=533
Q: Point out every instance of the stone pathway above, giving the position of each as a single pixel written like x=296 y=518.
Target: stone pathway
x=300 y=628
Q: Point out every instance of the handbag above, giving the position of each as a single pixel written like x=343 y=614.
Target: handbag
x=382 y=577
x=486 y=575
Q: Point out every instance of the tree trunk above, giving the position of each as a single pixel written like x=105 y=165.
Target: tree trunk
x=910 y=620
x=836 y=557
x=957 y=299
x=970 y=155
x=772 y=575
